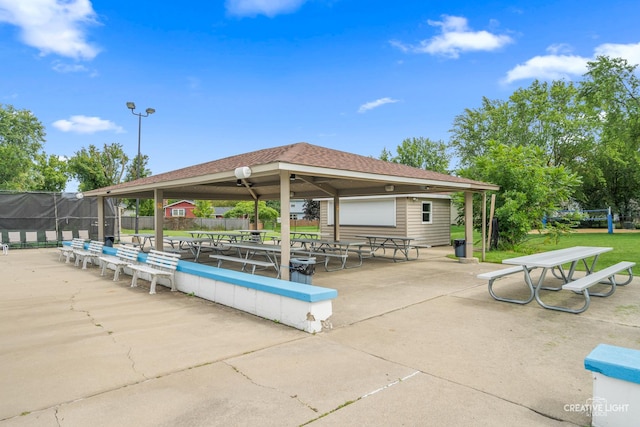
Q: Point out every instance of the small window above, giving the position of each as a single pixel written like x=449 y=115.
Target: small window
x=426 y=212
x=178 y=212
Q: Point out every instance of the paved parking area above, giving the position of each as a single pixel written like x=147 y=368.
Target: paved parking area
x=415 y=343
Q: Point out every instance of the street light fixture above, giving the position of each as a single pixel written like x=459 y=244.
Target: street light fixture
x=132 y=106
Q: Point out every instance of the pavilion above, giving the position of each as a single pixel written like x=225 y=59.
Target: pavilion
x=298 y=170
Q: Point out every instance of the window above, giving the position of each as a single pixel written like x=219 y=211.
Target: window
x=426 y=212
x=178 y=212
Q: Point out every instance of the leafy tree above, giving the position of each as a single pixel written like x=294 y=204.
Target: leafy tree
x=529 y=188
x=420 y=153
x=203 y=209
x=247 y=209
x=551 y=116
x=21 y=140
x=612 y=91
x=311 y=209
x=53 y=173
x=96 y=169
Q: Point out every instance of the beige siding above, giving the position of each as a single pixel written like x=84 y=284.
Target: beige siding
x=408 y=222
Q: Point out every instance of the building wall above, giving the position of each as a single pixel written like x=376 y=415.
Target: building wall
x=408 y=222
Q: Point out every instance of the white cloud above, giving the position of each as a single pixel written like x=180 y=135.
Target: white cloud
x=375 y=104
x=52 y=26
x=84 y=124
x=555 y=67
x=549 y=67
x=630 y=52
x=268 y=8
x=456 y=37
x=69 y=68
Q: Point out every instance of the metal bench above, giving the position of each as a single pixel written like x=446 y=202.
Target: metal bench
x=605 y=276
x=157 y=264
x=125 y=255
x=327 y=254
x=91 y=254
x=492 y=276
x=244 y=261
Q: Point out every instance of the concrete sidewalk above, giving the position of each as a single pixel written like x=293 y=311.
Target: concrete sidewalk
x=415 y=343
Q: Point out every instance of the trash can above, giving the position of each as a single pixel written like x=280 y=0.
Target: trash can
x=302 y=269
x=108 y=241
x=459 y=247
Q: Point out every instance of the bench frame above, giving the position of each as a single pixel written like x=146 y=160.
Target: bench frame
x=67 y=251
x=582 y=285
x=492 y=276
x=245 y=261
x=91 y=254
x=124 y=256
x=157 y=264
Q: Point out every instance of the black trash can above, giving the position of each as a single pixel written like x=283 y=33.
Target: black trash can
x=302 y=269
x=459 y=247
x=109 y=240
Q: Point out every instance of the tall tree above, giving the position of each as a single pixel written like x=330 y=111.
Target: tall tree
x=551 y=116
x=96 y=169
x=612 y=90
x=21 y=140
x=529 y=188
x=420 y=153
x=53 y=173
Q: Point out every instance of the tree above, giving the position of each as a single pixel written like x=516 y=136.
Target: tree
x=96 y=169
x=203 y=209
x=612 y=91
x=529 y=188
x=247 y=209
x=21 y=140
x=311 y=209
x=420 y=153
x=53 y=173
x=551 y=116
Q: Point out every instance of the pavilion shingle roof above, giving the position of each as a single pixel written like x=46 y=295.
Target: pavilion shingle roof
x=304 y=154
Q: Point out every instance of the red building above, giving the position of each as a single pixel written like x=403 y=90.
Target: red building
x=183 y=208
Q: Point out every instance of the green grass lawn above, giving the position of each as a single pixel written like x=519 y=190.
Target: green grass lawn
x=626 y=246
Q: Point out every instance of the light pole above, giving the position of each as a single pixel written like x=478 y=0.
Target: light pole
x=132 y=106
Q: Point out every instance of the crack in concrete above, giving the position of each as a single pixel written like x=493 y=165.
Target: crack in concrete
x=248 y=378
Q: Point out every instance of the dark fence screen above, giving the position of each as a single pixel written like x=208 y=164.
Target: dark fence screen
x=53 y=211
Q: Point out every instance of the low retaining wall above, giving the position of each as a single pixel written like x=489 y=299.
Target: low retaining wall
x=298 y=305
x=616 y=386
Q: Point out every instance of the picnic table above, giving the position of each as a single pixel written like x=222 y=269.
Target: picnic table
x=555 y=261
x=330 y=249
x=246 y=252
x=400 y=244
x=144 y=238
x=191 y=244
x=218 y=236
x=253 y=235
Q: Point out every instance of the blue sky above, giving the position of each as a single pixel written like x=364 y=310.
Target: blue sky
x=230 y=76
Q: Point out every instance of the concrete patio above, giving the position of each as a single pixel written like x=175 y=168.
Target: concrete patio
x=415 y=343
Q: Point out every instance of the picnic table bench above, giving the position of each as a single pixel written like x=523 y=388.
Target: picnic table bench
x=555 y=261
x=125 y=255
x=91 y=254
x=157 y=264
x=244 y=261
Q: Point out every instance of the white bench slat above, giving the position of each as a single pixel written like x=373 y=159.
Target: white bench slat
x=157 y=264
x=90 y=254
x=124 y=256
x=496 y=274
x=579 y=285
x=67 y=251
